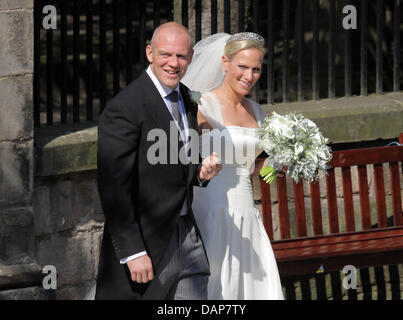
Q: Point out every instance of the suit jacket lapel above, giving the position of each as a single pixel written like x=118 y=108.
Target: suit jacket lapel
x=159 y=112
x=158 y=109
x=156 y=106
x=191 y=112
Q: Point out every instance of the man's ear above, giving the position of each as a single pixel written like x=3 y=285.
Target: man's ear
x=190 y=55
x=149 y=54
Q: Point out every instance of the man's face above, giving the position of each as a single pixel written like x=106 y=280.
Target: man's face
x=169 y=55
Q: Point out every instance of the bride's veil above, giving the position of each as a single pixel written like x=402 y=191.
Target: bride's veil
x=205 y=73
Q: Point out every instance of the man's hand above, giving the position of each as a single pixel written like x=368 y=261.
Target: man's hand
x=141 y=269
x=210 y=167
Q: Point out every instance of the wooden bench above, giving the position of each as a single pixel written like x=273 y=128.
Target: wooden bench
x=373 y=245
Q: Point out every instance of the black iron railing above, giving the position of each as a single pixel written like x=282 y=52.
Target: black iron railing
x=99 y=47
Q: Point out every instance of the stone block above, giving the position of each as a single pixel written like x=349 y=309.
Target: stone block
x=44 y=222
x=86 y=202
x=61 y=203
x=16 y=121
x=16 y=4
x=32 y=293
x=20 y=275
x=65 y=149
x=16 y=243
x=16 y=42
x=351 y=119
x=71 y=253
x=76 y=292
x=16 y=169
x=17 y=217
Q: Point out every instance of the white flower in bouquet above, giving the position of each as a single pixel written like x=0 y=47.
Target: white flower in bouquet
x=293 y=142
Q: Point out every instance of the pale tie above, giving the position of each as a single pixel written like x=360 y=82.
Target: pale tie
x=173 y=97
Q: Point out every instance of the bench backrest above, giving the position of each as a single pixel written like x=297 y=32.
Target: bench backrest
x=391 y=156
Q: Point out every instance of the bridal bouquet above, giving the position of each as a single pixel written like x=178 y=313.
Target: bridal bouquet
x=294 y=142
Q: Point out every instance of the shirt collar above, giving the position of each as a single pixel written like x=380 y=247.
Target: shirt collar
x=162 y=89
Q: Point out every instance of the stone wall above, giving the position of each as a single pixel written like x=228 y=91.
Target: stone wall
x=20 y=275
x=68 y=230
x=352 y=119
x=68 y=214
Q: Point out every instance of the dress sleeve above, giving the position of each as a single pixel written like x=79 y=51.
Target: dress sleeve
x=210 y=109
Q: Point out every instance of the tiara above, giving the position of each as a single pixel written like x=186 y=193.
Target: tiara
x=246 y=36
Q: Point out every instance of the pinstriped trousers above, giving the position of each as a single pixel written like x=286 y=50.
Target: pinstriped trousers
x=184 y=269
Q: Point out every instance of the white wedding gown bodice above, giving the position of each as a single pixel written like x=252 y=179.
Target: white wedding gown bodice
x=242 y=262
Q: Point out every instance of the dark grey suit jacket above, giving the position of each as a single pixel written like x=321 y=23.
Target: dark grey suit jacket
x=141 y=201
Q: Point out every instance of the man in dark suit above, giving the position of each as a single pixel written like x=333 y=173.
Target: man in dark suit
x=151 y=248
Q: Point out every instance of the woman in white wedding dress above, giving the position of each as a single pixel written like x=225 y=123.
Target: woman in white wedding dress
x=242 y=263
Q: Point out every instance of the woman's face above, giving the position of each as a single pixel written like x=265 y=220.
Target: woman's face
x=243 y=70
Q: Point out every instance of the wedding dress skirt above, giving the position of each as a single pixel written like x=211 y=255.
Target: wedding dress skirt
x=242 y=262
